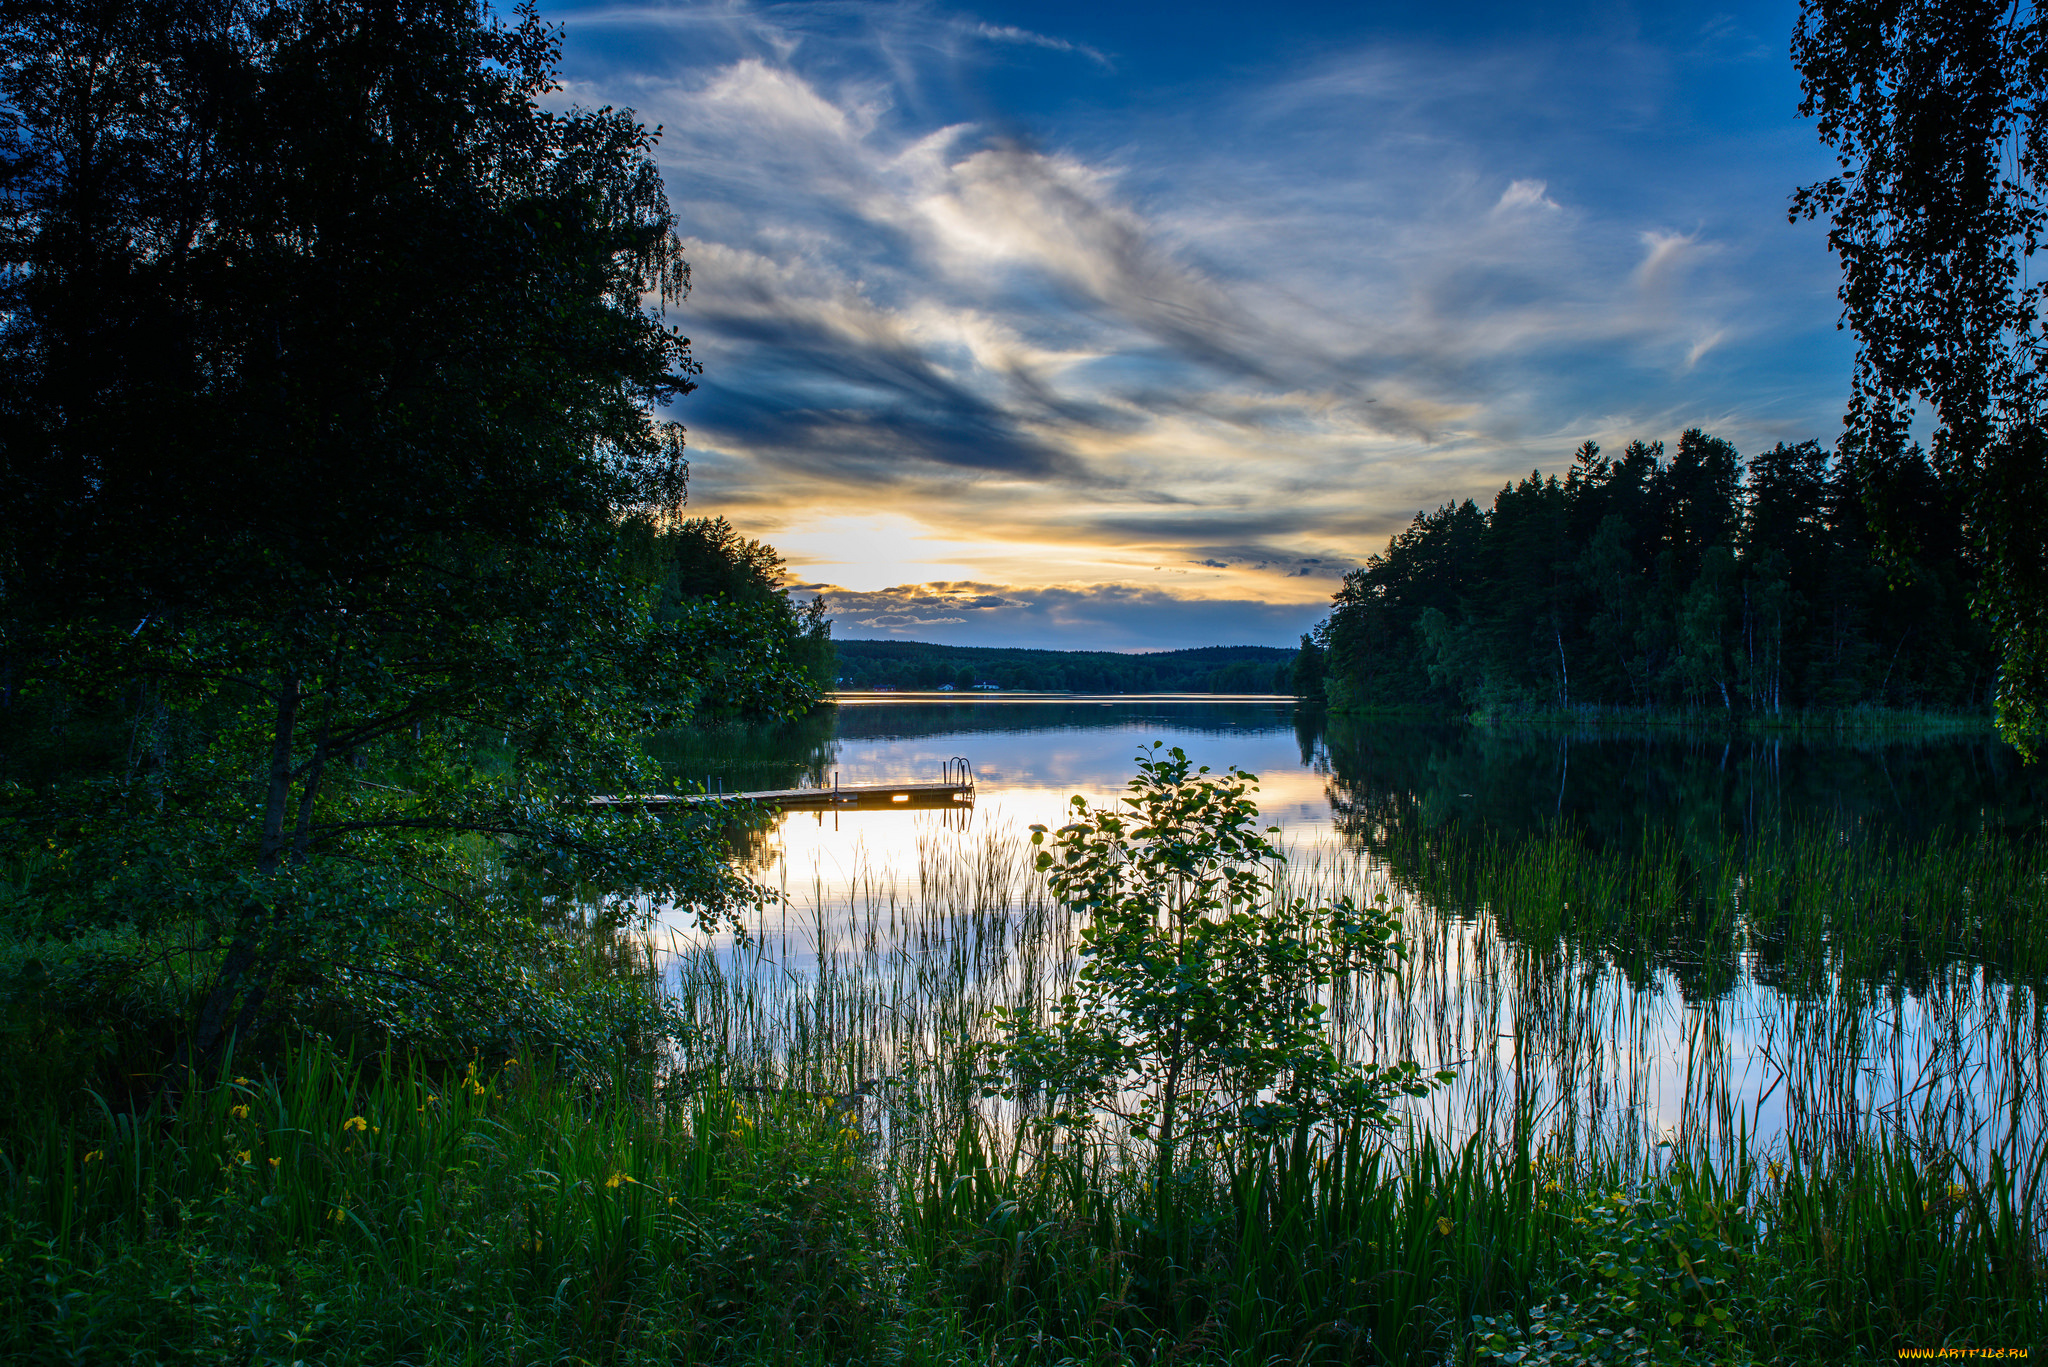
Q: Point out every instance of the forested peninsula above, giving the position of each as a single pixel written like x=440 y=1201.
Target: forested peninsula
x=1702 y=584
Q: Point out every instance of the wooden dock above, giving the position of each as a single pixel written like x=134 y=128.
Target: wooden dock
x=955 y=788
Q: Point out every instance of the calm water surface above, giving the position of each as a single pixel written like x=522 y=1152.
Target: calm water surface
x=1329 y=784
x=1562 y=1030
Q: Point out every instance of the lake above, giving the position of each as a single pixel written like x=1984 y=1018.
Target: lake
x=1658 y=933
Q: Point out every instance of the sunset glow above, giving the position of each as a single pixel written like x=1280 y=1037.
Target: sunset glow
x=1058 y=299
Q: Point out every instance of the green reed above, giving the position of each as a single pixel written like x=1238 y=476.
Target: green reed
x=367 y=1211
x=814 y=1176
x=1364 y=1248
x=1499 y=1212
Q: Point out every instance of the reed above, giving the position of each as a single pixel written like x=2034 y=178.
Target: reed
x=1491 y=1250
x=1697 y=1119
x=366 y=1211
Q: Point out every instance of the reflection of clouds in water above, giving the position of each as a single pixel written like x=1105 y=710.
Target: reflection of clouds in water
x=1560 y=1030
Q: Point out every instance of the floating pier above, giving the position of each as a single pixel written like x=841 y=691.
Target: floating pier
x=955 y=786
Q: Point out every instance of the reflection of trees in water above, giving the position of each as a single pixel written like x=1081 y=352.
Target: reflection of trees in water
x=1697 y=789
x=914 y=720
x=758 y=757
x=1702 y=858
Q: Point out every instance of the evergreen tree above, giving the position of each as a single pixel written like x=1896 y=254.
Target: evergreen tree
x=1692 y=585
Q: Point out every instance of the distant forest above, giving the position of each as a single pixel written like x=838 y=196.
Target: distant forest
x=1697 y=584
x=1209 y=669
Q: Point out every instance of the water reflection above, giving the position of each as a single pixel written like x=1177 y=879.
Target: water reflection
x=1697 y=788
x=1587 y=944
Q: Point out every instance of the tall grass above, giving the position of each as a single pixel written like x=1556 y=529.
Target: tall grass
x=1358 y=1249
x=364 y=1211
x=1609 y=1041
x=1675 y=1138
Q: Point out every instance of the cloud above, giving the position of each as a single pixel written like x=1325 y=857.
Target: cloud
x=1666 y=255
x=1245 y=333
x=1703 y=346
x=903 y=621
x=1009 y=33
x=1066 y=616
x=1523 y=195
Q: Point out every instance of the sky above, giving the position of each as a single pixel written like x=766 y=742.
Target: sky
x=1134 y=326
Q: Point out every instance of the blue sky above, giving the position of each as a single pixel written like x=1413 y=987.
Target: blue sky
x=1134 y=326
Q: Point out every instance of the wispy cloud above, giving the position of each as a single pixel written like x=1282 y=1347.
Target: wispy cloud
x=1010 y=33
x=1061 y=616
x=1238 y=339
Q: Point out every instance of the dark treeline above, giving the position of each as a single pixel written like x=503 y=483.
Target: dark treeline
x=704 y=558
x=1207 y=669
x=344 y=557
x=1700 y=584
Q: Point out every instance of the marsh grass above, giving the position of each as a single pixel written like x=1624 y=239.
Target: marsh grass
x=1864 y=1150
x=1685 y=1130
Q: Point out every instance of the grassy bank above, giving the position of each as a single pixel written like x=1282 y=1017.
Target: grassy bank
x=346 y=1212
x=355 y=1213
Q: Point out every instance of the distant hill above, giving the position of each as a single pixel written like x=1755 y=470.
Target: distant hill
x=1206 y=669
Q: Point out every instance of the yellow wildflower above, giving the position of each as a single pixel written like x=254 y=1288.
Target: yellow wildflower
x=1955 y=1191
x=271 y=1161
x=355 y=1122
x=617 y=1179
x=1777 y=1171
x=242 y=1156
x=241 y=1082
x=336 y=1216
x=95 y=1156
x=239 y=1112
x=1443 y=1224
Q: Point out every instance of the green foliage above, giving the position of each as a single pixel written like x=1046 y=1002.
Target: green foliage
x=1637 y=583
x=333 y=420
x=335 y=1212
x=1493 y=1252
x=1653 y=1285
x=871 y=1214
x=1195 y=1013
x=1309 y=668
x=702 y=561
x=704 y=557
x=1935 y=117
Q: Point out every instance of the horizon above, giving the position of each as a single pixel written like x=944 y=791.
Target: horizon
x=1056 y=650
x=1075 y=328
